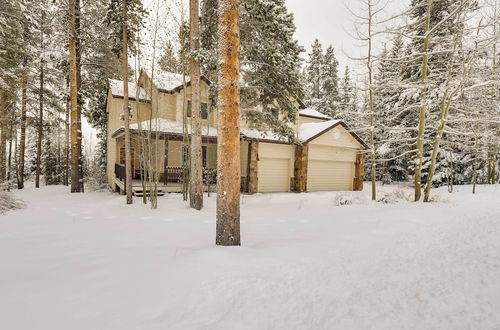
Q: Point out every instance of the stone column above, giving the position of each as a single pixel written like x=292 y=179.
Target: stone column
x=300 y=168
x=359 y=174
x=253 y=158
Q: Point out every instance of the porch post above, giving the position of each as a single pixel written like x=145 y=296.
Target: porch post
x=300 y=168
x=359 y=171
x=165 y=164
x=253 y=157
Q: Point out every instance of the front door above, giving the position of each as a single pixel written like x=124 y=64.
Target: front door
x=122 y=159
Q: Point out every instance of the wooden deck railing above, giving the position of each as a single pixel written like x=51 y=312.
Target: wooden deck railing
x=176 y=174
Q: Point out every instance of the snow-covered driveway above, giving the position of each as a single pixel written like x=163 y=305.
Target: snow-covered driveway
x=88 y=261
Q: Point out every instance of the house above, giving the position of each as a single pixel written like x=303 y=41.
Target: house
x=331 y=157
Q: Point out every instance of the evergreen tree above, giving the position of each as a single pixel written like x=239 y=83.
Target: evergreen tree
x=314 y=77
x=270 y=60
x=348 y=108
x=330 y=83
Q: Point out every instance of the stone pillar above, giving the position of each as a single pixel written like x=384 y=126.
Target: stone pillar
x=359 y=174
x=300 y=168
x=252 y=167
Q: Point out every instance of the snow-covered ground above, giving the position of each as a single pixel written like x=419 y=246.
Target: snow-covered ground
x=88 y=261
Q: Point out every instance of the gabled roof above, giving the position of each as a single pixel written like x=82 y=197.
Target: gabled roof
x=311 y=113
x=311 y=131
x=174 y=128
x=116 y=88
x=169 y=82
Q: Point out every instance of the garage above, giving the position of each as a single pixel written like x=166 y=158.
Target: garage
x=330 y=168
x=275 y=167
x=324 y=175
x=274 y=174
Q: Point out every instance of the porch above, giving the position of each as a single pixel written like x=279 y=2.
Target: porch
x=170 y=181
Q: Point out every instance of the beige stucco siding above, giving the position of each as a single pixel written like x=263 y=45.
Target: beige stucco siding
x=305 y=120
x=339 y=137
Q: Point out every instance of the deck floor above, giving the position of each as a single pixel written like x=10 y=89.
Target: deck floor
x=170 y=187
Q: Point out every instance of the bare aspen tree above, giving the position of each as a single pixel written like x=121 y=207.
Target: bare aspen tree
x=75 y=110
x=40 y=111
x=423 y=102
x=196 y=180
x=22 y=141
x=228 y=141
x=366 y=32
x=126 y=112
x=369 y=65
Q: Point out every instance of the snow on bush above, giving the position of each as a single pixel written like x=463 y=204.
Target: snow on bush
x=9 y=202
x=342 y=199
x=388 y=199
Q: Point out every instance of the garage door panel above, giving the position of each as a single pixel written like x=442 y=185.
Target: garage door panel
x=273 y=174
x=329 y=175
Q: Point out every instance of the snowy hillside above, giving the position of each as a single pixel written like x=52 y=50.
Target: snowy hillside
x=87 y=261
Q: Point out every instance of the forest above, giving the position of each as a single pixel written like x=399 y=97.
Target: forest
x=411 y=243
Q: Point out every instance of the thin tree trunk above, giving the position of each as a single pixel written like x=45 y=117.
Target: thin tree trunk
x=22 y=142
x=78 y=99
x=9 y=158
x=66 y=140
x=372 y=103
x=228 y=142
x=196 y=182
x=126 y=113
x=3 y=134
x=74 y=106
x=423 y=107
x=40 y=126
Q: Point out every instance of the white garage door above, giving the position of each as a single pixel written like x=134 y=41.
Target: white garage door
x=274 y=174
x=323 y=175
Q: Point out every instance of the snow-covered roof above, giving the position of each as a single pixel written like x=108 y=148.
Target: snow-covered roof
x=173 y=127
x=313 y=113
x=252 y=133
x=116 y=87
x=170 y=126
x=309 y=130
x=168 y=81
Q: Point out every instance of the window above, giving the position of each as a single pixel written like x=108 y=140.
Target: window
x=204 y=156
x=185 y=155
x=189 y=109
x=273 y=112
x=204 y=110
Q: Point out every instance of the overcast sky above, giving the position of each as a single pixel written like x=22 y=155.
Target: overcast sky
x=327 y=20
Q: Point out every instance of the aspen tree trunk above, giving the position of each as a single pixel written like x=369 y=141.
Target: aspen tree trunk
x=126 y=113
x=79 y=103
x=22 y=141
x=66 y=140
x=228 y=142
x=9 y=158
x=40 y=127
x=3 y=140
x=196 y=182
x=423 y=107
x=3 y=137
x=444 y=107
x=474 y=165
x=74 y=107
x=372 y=103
